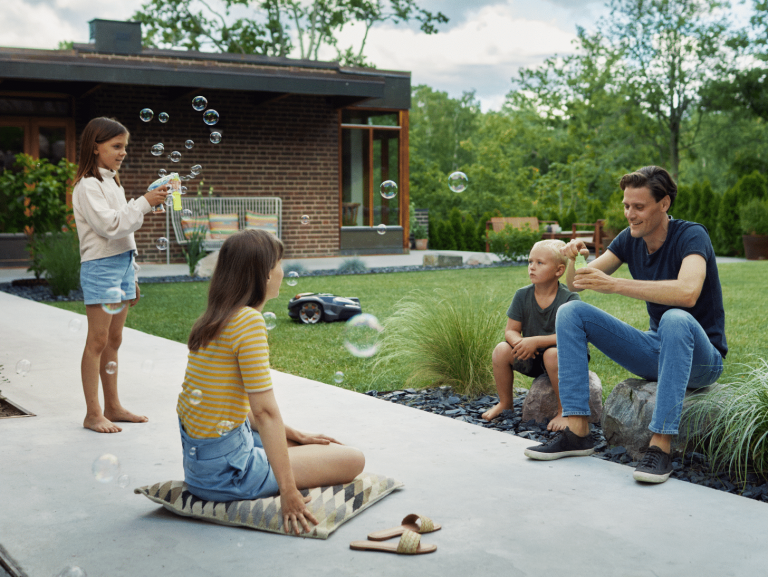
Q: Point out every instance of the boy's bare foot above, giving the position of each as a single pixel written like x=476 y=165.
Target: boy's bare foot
x=491 y=414
x=559 y=423
x=125 y=416
x=100 y=424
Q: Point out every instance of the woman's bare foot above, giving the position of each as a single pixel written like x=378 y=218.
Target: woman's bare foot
x=559 y=423
x=124 y=415
x=491 y=414
x=100 y=424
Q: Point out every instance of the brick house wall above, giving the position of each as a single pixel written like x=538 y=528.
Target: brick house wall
x=287 y=148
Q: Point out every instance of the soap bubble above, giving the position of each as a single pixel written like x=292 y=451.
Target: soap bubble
x=293 y=278
x=305 y=219
x=162 y=172
x=215 y=137
x=146 y=114
x=183 y=190
x=147 y=366
x=196 y=397
x=74 y=325
x=175 y=156
x=123 y=481
x=210 y=117
x=199 y=103
x=192 y=451
x=361 y=335
x=117 y=297
x=71 y=571
x=338 y=377
x=388 y=189
x=185 y=177
x=224 y=427
x=168 y=202
x=186 y=214
x=111 y=367
x=157 y=149
x=105 y=468
x=381 y=229
x=23 y=367
x=458 y=181
x=196 y=169
x=163 y=117
x=189 y=144
x=270 y=319
x=162 y=243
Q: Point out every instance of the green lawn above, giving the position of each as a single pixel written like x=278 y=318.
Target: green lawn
x=317 y=352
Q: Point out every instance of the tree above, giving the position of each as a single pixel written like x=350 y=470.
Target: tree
x=708 y=204
x=728 y=231
x=271 y=24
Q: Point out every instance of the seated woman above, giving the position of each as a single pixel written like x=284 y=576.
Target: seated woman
x=235 y=444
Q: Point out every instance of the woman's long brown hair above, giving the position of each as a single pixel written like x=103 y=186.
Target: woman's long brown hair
x=96 y=131
x=239 y=280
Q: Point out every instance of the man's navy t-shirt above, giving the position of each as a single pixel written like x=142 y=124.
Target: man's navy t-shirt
x=683 y=238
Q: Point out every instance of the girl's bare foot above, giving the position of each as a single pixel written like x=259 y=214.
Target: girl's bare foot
x=100 y=424
x=124 y=415
x=491 y=414
x=559 y=423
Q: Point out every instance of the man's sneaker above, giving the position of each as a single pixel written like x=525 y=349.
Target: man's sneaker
x=655 y=467
x=564 y=444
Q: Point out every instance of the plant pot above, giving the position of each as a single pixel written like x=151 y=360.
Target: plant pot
x=755 y=246
x=421 y=243
x=13 y=249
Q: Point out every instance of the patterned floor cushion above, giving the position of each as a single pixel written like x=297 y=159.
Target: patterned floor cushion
x=332 y=506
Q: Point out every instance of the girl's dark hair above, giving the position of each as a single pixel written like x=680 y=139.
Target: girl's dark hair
x=239 y=280
x=96 y=131
x=655 y=179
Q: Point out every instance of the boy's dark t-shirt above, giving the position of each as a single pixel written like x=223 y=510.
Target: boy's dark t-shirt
x=536 y=321
x=683 y=238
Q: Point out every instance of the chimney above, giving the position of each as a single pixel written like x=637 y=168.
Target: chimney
x=116 y=37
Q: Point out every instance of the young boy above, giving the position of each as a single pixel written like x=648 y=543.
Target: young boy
x=532 y=314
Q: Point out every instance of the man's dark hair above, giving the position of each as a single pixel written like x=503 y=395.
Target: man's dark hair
x=655 y=179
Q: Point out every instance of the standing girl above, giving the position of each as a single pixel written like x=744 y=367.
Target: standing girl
x=105 y=226
x=235 y=444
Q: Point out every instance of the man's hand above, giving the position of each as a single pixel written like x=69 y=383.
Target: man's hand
x=526 y=348
x=594 y=279
x=574 y=248
x=133 y=302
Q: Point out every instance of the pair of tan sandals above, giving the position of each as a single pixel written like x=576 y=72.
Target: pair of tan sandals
x=410 y=531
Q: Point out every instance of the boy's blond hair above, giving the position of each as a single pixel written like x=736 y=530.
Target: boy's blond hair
x=553 y=246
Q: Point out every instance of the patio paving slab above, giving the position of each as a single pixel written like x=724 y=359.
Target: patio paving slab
x=499 y=510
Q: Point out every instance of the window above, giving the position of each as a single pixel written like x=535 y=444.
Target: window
x=370 y=154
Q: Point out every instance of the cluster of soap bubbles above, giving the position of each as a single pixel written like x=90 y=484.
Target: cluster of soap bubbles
x=118 y=300
x=106 y=469
x=361 y=335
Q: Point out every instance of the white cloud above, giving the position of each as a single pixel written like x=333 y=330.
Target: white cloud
x=29 y=25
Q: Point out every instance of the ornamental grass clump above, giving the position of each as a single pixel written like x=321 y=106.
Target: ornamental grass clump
x=352 y=265
x=58 y=255
x=443 y=338
x=735 y=417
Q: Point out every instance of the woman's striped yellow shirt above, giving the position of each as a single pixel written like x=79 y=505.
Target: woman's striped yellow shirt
x=232 y=365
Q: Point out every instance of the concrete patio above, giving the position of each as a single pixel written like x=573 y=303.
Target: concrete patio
x=501 y=513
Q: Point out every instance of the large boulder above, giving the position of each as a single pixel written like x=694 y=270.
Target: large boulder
x=205 y=266
x=437 y=259
x=628 y=412
x=540 y=404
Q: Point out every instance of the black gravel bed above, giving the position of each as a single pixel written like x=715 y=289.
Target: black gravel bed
x=35 y=290
x=693 y=467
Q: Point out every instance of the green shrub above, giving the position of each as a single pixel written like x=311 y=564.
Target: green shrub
x=513 y=243
x=58 y=254
x=443 y=338
x=457 y=229
x=754 y=216
x=751 y=186
x=728 y=232
x=354 y=264
x=567 y=219
x=679 y=209
x=735 y=417
x=615 y=221
x=707 y=203
x=194 y=251
x=419 y=230
x=471 y=241
x=33 y=196
x=445 y=235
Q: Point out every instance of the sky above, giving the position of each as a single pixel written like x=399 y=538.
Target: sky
x=481 y=48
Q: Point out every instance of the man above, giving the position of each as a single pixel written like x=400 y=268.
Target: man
x=673 y=270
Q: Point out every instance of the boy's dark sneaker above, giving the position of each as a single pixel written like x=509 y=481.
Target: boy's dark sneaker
x=655 y=467
x=564 y=444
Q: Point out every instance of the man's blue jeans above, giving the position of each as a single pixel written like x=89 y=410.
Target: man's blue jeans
x=678 y=356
